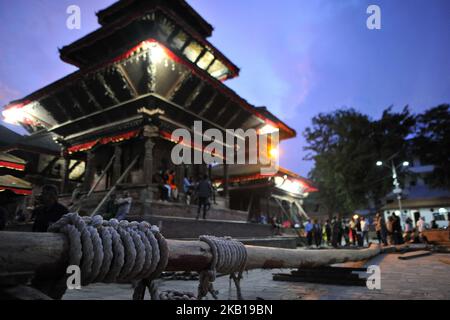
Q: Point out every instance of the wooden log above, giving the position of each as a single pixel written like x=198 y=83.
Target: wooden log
x=22 y=292
x=414 y=254
x=25 y=251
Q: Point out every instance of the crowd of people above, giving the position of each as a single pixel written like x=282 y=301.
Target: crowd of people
x=355 y=231
x=338 y=232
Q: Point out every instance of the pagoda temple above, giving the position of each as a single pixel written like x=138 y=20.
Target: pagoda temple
x=148 y=70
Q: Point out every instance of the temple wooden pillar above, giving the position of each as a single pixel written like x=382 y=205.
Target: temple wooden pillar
x=150 y=133
x=225 y=186
x=65 y=172
x=89 y=172
x=117 y=165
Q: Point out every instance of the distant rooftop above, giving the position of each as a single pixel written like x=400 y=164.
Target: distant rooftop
x=39 y=142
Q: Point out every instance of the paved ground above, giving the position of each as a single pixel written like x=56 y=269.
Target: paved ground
x=417 y=279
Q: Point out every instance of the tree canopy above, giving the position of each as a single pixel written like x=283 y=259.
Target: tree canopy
x=433 y=143
x=345 y=145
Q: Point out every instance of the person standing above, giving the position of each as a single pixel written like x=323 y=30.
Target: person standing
x=49 y=210
x=317 y=233
x=380 y=228
x=390 y=230
x=352 y=233
x=187 y=189
x=358 y=228
x=123 y=206
x=408 y=230
x=365 y=230
x=421 y=226
x=346 y=231
x=309 y=232
x=327 y=229
x=204 y=190
x=335 y=232
x=397 y=229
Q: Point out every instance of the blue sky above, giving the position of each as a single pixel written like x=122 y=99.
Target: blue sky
x=297 y=57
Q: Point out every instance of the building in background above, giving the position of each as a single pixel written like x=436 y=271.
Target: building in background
x=419 y=198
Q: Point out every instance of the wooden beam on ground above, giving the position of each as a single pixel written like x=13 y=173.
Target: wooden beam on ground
x=25 y=251
x=414 y=254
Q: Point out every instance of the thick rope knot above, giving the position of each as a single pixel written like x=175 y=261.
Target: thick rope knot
x=177 y=295
x=229 y=257
x=113 y=251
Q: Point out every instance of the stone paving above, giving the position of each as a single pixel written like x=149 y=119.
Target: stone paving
x=417 y=279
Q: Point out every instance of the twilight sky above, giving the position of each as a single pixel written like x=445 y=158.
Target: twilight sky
x=297 y=57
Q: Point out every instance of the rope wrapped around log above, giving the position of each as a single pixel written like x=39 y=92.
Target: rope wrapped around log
x=229 y=257
x=113 y=251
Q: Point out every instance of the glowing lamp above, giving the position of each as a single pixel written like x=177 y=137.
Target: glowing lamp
x=14 y=115
x=379 y=163
x=157 y=53
x=274 y=153
x=355 y=216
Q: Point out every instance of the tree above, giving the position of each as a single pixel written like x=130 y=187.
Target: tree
x=345 y=146
x=433 y=143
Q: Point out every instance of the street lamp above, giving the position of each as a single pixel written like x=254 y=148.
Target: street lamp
x=397 y=190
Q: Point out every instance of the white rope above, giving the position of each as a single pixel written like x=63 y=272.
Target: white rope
x=177 y=295
x=113 y=251
x=228 y=257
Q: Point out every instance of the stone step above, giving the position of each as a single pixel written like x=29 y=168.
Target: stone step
x=182 y=228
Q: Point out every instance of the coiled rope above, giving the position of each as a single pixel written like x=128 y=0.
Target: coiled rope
x=229 y=257
x=113 y=251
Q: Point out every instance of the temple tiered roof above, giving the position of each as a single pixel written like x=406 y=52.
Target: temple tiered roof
x=151 y=54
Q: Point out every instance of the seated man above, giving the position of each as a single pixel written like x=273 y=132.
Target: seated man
x=49 y=210
x=123 y=206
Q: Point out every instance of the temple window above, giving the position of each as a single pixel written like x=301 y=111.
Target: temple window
x=179 y=40
x=193 y=50
x=206 y=60
x=218 y=70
